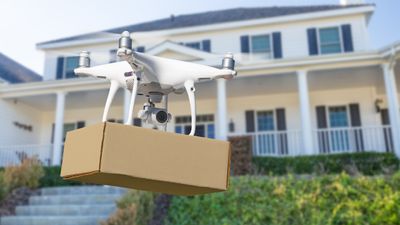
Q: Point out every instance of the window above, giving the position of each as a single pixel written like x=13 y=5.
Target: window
x=204 y=45
x=338 y=116
x=196 y=45
x=265 y=121
x=329 y=40
x=113 y=55
x=339 y=134
x=260 y=46
x=70 y=64
x=204 y=125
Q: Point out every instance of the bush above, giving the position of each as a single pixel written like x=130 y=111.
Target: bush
x=134 y=208
x=3 y=189
x=329 y=199
x=52 y=178
x=27 y=174
x=367 y=163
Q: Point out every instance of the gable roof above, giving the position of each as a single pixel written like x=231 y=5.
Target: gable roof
x=13 y=72
x=215 y=17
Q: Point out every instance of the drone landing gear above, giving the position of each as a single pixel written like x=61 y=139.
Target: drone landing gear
x=113 y=89
x=132 y=102
x=189 y=86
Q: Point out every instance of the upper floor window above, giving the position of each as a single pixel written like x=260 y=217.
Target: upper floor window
x=204 y=45
x=329 y=40
x=264 y=46
x=260 y=46
x=66 y=66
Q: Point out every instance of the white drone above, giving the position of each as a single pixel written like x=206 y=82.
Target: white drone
x=154 y=77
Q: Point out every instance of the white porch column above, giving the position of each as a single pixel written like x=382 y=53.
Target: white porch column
x=306 y=130
x=58 y=128
x=127 y=99
x=393 y=104
x=222 y=124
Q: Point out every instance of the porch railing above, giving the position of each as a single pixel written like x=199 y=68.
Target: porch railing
x=326 y=141
x=13 y=154
x=275 y=143
x=353 y=139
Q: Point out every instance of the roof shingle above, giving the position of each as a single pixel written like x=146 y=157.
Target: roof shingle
x=215 y=17
x=13 y=72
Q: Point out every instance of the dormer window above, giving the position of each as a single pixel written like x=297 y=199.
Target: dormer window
x=204 y=45
x=329 y=40
x=66 y=66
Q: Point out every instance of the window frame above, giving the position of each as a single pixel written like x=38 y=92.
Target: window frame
x=347 y=116
x=182 y=125
x=271 y=44
x=273 y=118
x=64 y=69
x=319 y=40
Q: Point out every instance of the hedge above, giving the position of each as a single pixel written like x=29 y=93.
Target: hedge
x=367 y=163
x=52 y=178
x=320 y=200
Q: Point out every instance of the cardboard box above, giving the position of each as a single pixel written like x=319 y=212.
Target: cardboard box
x=146 y=159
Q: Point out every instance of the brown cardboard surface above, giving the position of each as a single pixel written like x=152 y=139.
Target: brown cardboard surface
x=146 y=159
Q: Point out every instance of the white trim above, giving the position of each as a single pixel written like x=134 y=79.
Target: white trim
x=223 y=26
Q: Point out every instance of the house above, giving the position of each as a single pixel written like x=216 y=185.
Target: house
x=308 y=83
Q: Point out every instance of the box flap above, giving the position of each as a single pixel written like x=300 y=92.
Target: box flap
x=82 y=150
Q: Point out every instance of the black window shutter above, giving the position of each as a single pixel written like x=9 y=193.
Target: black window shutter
x=277 y=43
x=52 y=133
x=206 y=45
x=347 y=38
x=323 y=135
x=80 y=124
x=60 y=68
x=312 y=41
x=281 y=119
x=244 y=44
x=140 y=49
x=250 y=121
x=137 y=122
x=281 y=126
x=385 y=117
x=355 y=118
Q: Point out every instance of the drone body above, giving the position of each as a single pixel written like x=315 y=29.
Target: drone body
x=153 y=77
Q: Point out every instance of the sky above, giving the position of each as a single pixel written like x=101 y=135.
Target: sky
x=23 y=23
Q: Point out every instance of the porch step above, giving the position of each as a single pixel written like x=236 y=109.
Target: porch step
x=52 y=220
x=74 y=205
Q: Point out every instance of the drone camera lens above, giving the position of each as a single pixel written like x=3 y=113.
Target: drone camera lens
x=162 y=116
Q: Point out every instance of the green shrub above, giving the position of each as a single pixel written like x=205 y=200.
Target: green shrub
x=3 y=189
x=52 y=178
x=322 y=200
x=27 y=174
x=134 y=208
x=367 y=163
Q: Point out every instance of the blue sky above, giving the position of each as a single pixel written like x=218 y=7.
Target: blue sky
x=25 y=22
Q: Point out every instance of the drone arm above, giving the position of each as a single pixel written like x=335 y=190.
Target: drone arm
x=189 y=86
x=132 y=102
x=113 y=89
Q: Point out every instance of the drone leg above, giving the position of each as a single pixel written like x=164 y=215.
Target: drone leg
x=165 y=101
x=189 y=86
x=132 y=103
x=113 y=89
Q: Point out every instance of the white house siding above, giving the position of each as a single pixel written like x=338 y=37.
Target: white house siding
x=14 y=111
x=294 y=39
